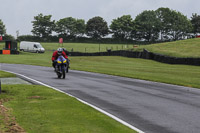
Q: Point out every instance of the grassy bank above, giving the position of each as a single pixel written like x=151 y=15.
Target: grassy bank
x=183 y=48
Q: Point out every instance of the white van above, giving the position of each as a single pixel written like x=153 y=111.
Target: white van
x=31 y=47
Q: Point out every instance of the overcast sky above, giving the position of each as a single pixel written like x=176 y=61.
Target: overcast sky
x=18 y=14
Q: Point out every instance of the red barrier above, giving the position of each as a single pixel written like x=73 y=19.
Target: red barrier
x=6 y=51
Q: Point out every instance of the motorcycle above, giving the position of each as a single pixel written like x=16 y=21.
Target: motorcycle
x=61 y=67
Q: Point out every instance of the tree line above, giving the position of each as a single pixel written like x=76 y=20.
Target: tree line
x=163 y=24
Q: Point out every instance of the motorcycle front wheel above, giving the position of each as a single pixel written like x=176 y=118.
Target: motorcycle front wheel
x=59 y=75
x=67 y=69
x=63 y=73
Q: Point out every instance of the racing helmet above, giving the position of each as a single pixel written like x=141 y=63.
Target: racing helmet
x=60 y=50
x=64 y=49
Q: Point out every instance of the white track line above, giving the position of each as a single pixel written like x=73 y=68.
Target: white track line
x=100 y=110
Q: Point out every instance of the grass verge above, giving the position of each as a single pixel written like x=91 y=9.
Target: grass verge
x=41 y=109
x=6 y=74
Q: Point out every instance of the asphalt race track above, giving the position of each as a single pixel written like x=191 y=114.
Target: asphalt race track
x=151 y=107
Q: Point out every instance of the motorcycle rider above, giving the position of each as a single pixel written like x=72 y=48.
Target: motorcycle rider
x=57 y=53
x=66 y=52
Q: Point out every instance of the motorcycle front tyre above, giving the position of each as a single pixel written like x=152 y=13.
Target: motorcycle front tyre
x=59 y=75
x=63 y=73
x=67 y=69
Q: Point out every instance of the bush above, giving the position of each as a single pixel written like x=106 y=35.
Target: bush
x=8 y=38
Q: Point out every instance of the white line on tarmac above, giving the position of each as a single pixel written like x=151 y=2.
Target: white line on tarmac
x=100 y=110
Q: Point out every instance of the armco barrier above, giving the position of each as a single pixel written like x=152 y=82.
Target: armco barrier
x=145 y=55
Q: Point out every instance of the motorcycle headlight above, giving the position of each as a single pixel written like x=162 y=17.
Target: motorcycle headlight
x=59 y=62
x=64 y=61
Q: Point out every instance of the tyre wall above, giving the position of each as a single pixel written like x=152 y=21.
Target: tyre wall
x=145 y=55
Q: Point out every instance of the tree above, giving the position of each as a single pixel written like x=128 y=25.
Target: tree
x=180 y=26
x=70 y=27
x=147 y=26
x=97 y=28
x=43 y=26
x=164 y=15
x=2 y=28
x=80 y=27
x=123 y=27
x=174 y=25
x=195 y=20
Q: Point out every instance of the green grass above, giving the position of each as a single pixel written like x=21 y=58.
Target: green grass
x=55 y=112
x=6 y=74
x=86 y=47
x=183 y=48
x=2 y=45
x=28 y=58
